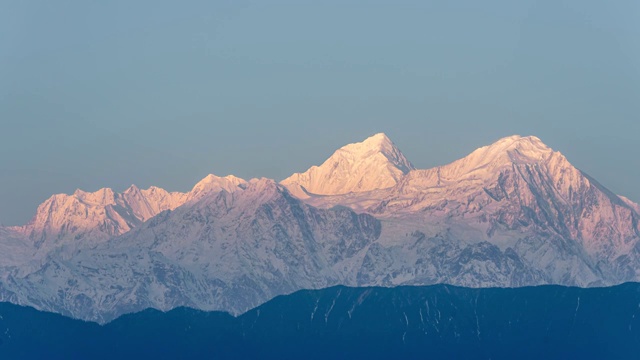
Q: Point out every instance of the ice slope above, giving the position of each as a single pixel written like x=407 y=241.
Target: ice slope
x=375 y=163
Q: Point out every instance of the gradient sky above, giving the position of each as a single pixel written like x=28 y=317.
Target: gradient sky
x=108 y=93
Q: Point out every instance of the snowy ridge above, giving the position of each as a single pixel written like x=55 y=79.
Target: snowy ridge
x=87 y=218
x=229 y=251
x=511 y=214
x=375 y=163
x=214 y=184
x=523 y=197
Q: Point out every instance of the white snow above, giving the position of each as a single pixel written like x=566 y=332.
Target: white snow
x=513 y=213
x=375 y=163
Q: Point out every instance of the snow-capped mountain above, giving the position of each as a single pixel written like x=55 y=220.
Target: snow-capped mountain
x=229 y=251
x=213 y=184
x=523 y=197
x=511 y=214
x=87 y=218
x=375 y=163
x=95 y=216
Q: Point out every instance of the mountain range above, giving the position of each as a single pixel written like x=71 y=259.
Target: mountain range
x=511 y=214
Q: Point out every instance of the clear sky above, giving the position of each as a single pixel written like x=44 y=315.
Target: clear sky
x=108 y=93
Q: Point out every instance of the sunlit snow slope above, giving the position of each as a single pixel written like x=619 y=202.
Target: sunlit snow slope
x=511 y=214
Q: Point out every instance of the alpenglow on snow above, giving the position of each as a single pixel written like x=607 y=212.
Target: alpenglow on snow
x=514 y=213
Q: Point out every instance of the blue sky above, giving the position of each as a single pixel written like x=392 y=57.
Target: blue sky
x=108 y=93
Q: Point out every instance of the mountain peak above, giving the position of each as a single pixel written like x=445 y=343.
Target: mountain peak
x=253 y=193
x=379 y=140
x=510 y=150
x=375 y=163
x=212 y=183
x=133 y=189
x=262 y=185
x=102 y=196
x=529 y=144
x=485 y=168
x=378 y=143
x=218 y=180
